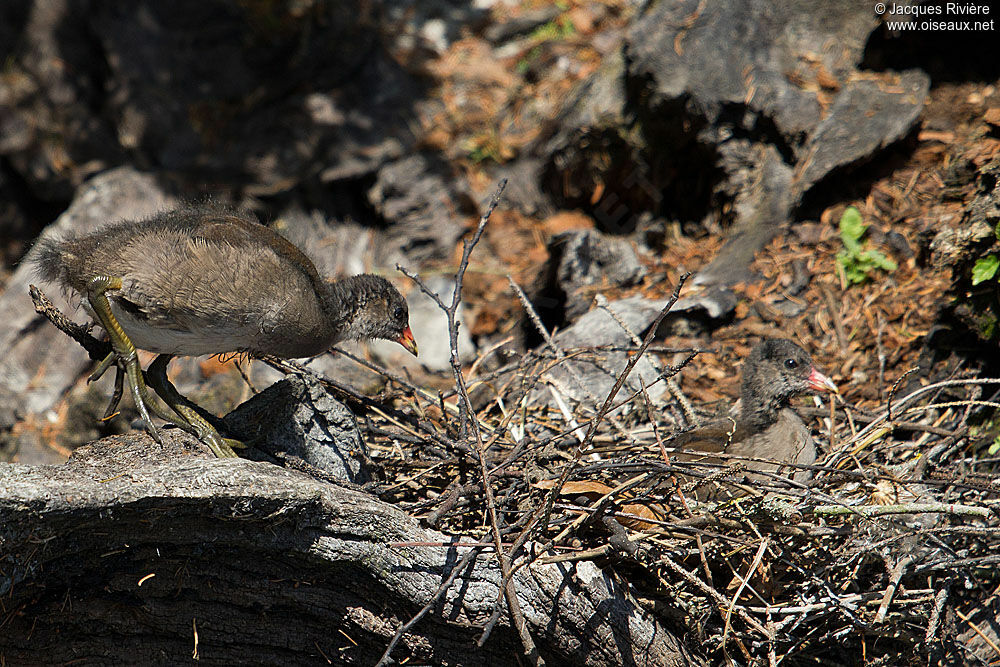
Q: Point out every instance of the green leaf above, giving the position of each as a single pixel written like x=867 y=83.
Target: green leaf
x=851 y=225
x=995 y=447
x=881 y=261
x=996 y=230
x=985 y=268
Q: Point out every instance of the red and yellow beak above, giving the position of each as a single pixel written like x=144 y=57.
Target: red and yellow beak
x=820 y=382
x=407 y=341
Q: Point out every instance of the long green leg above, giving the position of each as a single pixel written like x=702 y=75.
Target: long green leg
x=122 y=346
x=196 y=424
x=116 y=397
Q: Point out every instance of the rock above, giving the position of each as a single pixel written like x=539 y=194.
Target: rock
x=866 y=116
x=782 y=115
x=716 y=303
x=588 y=379
x=415 y=196
x=744 y=54
x=753 y=104
x=40 y=362
x=297 y=417
x=583 y=258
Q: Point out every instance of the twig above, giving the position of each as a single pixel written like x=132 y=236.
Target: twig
x=744 y=581
x=469 y=421
x=890 y=591
x=605 y=408
x=719 y=599
x=97 y=349
x=549 y=340
x=935 y=620
x=978 y=631
x=909 y=508
x=892 y=392
x=472 y=553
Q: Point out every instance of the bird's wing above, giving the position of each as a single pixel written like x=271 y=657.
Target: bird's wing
x=717 y=436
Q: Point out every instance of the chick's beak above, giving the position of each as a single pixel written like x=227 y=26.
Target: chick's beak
x=820 y=382
x=407 y=341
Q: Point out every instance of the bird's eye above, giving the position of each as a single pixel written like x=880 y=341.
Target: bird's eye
x=791 y=363
x=399 y=313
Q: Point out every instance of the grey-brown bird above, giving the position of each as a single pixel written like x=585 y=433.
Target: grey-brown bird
x=768 y=428
x=204 y=279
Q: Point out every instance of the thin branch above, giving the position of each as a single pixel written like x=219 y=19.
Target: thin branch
x=97 y=349
x=469 y=420
x=605 y=408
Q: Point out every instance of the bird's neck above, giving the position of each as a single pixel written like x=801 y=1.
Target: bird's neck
x=342 y=301
x=758 y=412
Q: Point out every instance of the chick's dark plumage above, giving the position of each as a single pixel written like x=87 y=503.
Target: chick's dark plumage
x=207 y=280
x=204 y=280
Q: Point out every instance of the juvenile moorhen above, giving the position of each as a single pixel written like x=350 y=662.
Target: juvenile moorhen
x=775 y=371
x=204 y=279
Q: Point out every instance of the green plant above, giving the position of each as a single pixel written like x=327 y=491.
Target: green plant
x=557 y=29
x=857 y=262
x=986 y=267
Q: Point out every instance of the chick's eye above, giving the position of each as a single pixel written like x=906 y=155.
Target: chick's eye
x=399 y=313
x=791 y=363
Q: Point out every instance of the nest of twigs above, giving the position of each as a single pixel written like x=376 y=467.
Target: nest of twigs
x=884 y=556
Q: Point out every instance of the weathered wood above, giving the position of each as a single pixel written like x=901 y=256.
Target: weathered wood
x=271 y=566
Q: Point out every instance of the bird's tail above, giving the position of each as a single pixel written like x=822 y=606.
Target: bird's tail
x=47 y=256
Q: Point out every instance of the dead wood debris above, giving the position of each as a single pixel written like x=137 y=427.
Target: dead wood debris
x=889 y=550
x=893 y=519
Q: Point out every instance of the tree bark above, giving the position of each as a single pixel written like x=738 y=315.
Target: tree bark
x=135 y=553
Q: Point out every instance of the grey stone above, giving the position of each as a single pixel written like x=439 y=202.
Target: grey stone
x=584 y=258
x=753 y=102
x=588 y=379
x=298 y=417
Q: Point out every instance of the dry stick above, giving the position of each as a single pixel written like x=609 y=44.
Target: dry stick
x=468 y=415
x=744 y=582
x=545 y=511
x=719 y=599
x=560 y=354
x=932 y=624
x=892 y=391
x=905 y=508
x=672 y=386
x=605 y=408
x=398 y=379
x=549 y=340
x=978 y=631
x=290 y=366
x=890 y=591
x=459 y=567
x=97 y=349
x=875 y=428
x=545 y=442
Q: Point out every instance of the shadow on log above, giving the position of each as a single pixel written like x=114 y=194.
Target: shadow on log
x=136 y=553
